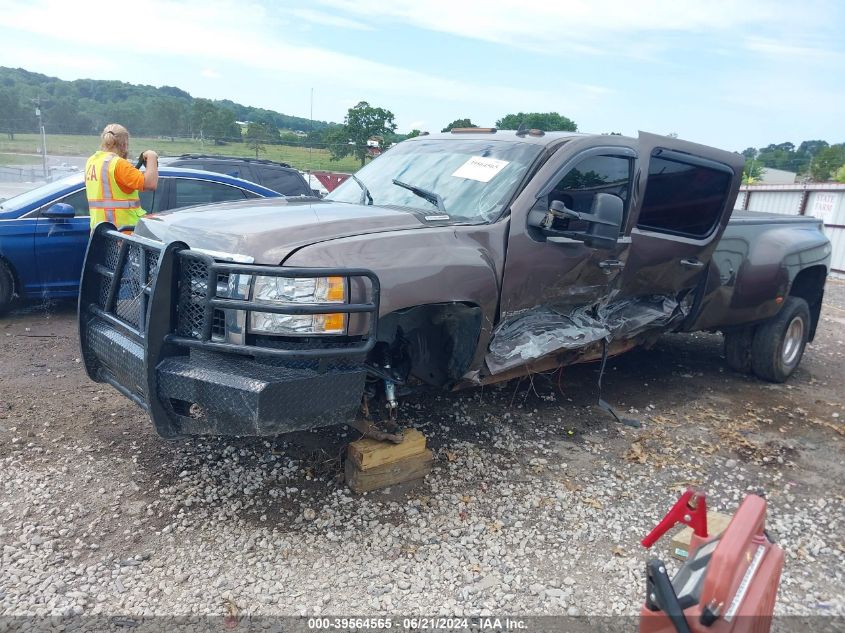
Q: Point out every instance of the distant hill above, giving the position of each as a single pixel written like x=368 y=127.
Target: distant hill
x=85 y=106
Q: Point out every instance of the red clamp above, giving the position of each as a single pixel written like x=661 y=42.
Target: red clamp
x=690 y=509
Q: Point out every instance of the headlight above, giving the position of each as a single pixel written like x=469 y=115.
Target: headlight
x=298 y=290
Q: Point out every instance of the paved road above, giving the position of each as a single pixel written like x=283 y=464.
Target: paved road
x=59 y=165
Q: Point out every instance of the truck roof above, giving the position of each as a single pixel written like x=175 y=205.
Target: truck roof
x=535 y=137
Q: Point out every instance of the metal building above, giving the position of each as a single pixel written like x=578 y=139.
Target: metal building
x=822 y=200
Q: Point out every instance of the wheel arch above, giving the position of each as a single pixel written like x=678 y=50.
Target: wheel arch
x=436 y=341
x=809 y=285
x=17 y=288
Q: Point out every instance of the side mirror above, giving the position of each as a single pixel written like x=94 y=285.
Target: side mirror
x=560 y=210
x=605 y=216
x=605 y=220
x=60 y=211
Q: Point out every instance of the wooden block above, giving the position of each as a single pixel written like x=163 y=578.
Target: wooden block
x=408 y=469
x=369 y=453
x=716 y=524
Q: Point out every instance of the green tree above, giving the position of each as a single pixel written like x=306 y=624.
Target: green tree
x=12 y=114
x=362 y=123
x=752 y=172
x=458 y=123
x=202 y=116
x=128 y=113
x=547 y=121
x=259 y=133
x=224 y=127
x=211 y=121
x=782 y=156
x=167 y=116
x=839 y=176
x=413 y=133
x=828 y=160
x=86 y=105
x=64 y=117
x=750 y=152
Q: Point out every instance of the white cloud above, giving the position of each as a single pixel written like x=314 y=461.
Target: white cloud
x=244 y=34
x=328 y=19
x=792 y=52
x=576 y=26
x=37 y=57
x=209 y=73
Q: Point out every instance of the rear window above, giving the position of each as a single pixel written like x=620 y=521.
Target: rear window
x=230 y=169
x=191 y=192
x=684 y=198
x=286 y=182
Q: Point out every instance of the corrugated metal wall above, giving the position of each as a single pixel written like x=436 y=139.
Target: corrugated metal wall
x=785 y=202
x=822 y=200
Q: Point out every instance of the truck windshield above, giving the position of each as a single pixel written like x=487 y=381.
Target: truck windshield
x=474 y=178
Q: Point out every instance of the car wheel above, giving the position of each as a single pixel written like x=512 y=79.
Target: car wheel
x=779 y=342
x=738 y=349
x=7 y=288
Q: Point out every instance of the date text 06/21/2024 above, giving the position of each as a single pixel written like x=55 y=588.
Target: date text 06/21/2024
x=416 y=624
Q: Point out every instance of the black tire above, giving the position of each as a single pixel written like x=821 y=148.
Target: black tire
x=738 y=349
x=779 y=342
x=7 y=288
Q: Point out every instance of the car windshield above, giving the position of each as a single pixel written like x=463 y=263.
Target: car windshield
x=39 y=193
x=474 y=178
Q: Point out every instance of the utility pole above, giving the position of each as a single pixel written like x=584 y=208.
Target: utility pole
x=37 y=101
x=311 y=137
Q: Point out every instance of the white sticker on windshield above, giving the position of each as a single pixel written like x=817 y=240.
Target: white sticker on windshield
x=480 y=168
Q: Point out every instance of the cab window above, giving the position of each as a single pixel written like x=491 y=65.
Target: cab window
x=682 y=198
x=190 y=192
x=590 y=176
x=287 y=183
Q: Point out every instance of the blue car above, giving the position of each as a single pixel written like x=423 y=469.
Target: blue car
x=44 y=232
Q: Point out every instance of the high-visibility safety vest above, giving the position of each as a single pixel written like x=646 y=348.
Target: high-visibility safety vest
x=106 y=200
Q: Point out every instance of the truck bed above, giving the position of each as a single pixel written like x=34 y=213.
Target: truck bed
x=755 y=265
x=764 y=217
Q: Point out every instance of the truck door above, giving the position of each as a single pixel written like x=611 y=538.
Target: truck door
x=543 y=270
x=687 y=193
x=559 y=266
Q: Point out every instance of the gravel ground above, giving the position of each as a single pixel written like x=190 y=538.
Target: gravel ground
x=536 y=504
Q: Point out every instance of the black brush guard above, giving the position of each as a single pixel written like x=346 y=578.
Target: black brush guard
x=154 y=324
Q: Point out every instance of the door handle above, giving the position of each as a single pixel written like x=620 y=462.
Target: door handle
x=692 y=263
x=608 y=264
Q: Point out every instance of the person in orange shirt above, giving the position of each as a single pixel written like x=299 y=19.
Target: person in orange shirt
x=113 y=183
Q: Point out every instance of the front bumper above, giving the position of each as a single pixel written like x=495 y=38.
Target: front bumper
x=153 y=324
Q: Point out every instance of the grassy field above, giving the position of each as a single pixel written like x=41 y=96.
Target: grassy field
x=72 y=145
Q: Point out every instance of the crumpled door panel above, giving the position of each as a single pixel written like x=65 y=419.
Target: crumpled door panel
x=546 y=330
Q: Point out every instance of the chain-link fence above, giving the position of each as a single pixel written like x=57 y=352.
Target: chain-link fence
x=304 y=154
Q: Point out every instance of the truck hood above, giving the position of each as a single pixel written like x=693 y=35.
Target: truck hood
x=269 y=230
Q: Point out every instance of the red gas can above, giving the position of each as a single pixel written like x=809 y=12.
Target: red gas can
x=729 y=582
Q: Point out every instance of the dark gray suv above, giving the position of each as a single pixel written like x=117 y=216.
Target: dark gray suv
x=279 y=177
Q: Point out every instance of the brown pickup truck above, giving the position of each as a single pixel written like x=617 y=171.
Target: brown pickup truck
x=452 y=260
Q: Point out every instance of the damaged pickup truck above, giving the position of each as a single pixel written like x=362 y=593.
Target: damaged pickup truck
x=453 y=260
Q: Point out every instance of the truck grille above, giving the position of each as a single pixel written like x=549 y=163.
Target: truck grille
x=132 y=282
x=194 y=295
x=125 y=323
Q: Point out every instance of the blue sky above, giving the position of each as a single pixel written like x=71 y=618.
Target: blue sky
x=728 y=73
